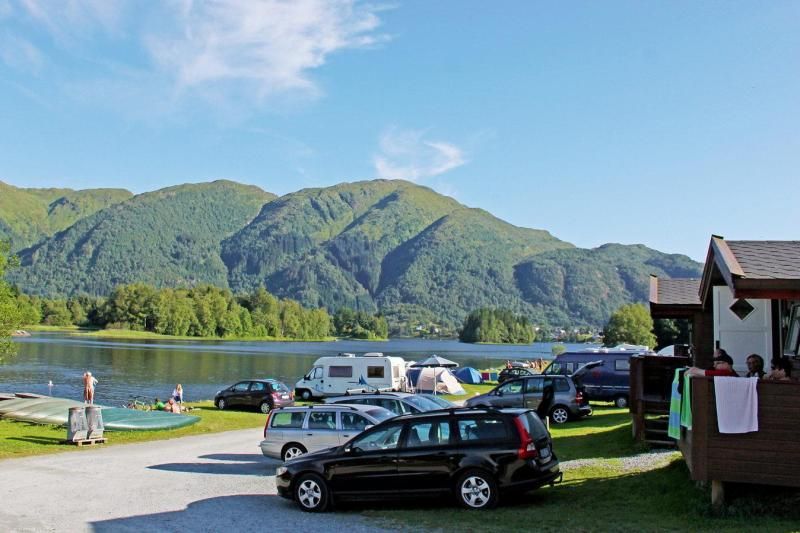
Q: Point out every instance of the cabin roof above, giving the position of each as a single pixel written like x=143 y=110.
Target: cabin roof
x=767 y=259
x=674 y=291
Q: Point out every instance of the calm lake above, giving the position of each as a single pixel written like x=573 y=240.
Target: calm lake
x=152 y=368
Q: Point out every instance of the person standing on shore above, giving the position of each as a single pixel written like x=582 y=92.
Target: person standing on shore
x=177 y=395
x=89 y=382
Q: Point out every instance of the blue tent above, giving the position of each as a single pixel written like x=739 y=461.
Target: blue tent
x=468 y=374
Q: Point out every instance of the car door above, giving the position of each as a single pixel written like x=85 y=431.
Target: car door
x=534 y=387
x=258 y=391
x=509 y=394
x=321 y=431
x=424 y=460
x=238 y=393
x=368 y=463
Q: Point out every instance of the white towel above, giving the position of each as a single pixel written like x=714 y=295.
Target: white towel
x=737 y=404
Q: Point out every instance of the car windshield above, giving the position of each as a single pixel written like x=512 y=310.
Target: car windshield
x=441 y=402
x=422 y=403
x=380 y=414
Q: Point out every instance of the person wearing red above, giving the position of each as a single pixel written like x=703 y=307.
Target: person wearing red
x=723 y=366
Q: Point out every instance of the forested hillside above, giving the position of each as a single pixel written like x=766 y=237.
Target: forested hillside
x=390 y=246
x=28 y=215
x=166 y=238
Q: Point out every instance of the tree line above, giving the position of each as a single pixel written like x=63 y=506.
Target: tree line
x=496 y=326
x=202 y=311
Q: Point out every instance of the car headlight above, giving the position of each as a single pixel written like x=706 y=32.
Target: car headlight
x=281 y=470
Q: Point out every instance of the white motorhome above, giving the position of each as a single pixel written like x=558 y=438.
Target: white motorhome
x=332 y=376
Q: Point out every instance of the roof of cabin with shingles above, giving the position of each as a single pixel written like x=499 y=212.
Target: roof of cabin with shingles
x=678 y=292
x=766 y=259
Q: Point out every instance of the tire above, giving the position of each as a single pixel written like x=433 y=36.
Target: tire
x=559 y=414
x=221 y=405
x=311 y=493
x=265 y=407
x=292 y=450
x=476 y=489
x=305 y=394
x=621 y=401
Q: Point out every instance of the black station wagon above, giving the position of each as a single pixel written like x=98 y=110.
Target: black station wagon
x=473 y=454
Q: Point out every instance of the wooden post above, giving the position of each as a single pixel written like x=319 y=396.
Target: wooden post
x=717 y=494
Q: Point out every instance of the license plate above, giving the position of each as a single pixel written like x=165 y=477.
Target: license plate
x=285 y=397
x=544 y=453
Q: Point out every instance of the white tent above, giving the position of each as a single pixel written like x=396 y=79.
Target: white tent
x=446 y=382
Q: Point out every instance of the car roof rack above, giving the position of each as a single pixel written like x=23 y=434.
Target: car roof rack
x=373 y=390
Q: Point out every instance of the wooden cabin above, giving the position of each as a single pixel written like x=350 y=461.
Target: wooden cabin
x=748 y=301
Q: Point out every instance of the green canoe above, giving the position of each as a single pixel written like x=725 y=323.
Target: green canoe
x=49 y=410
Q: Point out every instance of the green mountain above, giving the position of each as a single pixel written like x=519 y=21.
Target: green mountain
x=392 y=246
x=169 y=237
x=28 y=215
x=582 y=286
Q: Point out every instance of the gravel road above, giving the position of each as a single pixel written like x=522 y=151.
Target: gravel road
x=201 y=483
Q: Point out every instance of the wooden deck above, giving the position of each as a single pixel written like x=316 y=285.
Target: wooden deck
x=763 y=457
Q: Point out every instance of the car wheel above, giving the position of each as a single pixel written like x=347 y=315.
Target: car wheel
x=306 y=395
x=621 y=401
x=476 y=489
x=221 y=404
x=559 y=414
x=312 y=493
x=290 y=451
x=265 y=407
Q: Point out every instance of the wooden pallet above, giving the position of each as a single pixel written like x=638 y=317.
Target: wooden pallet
x=86 y=442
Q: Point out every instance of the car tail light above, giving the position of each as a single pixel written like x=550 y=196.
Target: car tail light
x=269 y=416
x=276 y=395
x=527 y=448
x=579 y=397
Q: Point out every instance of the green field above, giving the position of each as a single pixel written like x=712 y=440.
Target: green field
x=18 y=439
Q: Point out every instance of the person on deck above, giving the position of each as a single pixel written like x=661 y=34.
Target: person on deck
x=723 y=366
x=781 y=370
x=755 y=366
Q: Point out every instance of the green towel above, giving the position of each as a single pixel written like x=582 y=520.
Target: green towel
x=674 y=423
x=686 y=403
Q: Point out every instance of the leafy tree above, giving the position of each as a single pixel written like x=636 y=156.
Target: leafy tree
x=10 y=318
x=671 y=331
x=56 y=313
x=630 y=324
x=496 y=326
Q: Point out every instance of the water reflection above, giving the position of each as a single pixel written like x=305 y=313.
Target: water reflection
x=152 y=368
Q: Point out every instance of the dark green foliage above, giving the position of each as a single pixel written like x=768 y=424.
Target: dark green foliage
x=496 y=326
x=10 y=318
x=28 y=215
x=669 y=332
x=359 y=325
x=630 y=324
x=167 y=238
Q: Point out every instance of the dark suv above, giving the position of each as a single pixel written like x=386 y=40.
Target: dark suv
x=263 y=394
x=474 y=454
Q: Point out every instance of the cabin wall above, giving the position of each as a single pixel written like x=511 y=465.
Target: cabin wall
x=741 y=337
x=763 y=457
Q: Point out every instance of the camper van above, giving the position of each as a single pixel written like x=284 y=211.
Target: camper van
x=609 y=382
x=336 y=375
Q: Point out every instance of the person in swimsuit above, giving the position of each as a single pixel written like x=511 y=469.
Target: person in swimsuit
x=89 y=382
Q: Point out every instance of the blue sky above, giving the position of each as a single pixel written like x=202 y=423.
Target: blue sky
x=636 y=122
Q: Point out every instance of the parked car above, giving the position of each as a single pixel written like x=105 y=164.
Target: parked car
x=610 y=381
x=476 y=455
x=514 y=372
x=263 y=394
x=568 y=398
x=293 y=431
x=399 y=403
x=438 y=400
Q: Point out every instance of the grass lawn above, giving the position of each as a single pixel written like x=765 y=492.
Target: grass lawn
x=608 y=486
x=18 y=439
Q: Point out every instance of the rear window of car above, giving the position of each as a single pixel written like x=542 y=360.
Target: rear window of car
x=278 y=386
x=482 y=430
x=380 y=414
x=561 y=385
x=288 y=419
x=533 y=425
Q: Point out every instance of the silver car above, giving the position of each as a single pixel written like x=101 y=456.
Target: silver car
x=293 y=431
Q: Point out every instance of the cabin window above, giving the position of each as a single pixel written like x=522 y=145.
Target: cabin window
x=340 y=372
x=375 y=372
x=622 y=364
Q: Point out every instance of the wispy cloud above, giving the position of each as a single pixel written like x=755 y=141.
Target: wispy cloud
x=222 y=47
x=406 y=154
x=20 y=54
